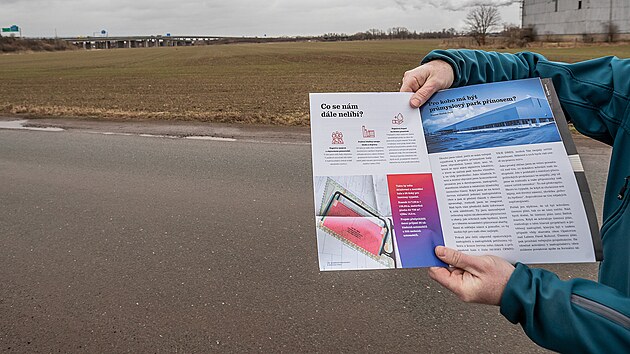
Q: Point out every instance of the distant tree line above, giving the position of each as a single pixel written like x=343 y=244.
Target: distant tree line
x=392 y=33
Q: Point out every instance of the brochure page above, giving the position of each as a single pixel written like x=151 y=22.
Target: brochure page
x=481 y=169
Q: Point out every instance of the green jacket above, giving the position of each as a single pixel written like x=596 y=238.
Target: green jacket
x=576 y=315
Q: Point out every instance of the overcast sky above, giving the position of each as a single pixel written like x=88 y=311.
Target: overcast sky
x=41 y=18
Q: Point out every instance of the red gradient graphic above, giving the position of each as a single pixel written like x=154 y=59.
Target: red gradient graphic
x=416 y=219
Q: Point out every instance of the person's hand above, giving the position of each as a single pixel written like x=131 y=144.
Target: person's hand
x=479 y=279
x=427 y=79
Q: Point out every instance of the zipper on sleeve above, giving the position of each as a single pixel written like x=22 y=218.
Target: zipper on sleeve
x=602 y=310
x=623 y=189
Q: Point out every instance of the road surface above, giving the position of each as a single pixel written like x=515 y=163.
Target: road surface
x=114 y=243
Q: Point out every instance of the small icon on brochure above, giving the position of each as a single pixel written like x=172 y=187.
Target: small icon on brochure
x=337 y=138
x=399 y=119
x=368 y=133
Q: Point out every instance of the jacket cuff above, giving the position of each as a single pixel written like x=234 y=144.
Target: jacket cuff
x=511 y=305
x=444 y=56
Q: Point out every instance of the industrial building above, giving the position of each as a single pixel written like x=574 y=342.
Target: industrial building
x=526 y=113
x=579 y=20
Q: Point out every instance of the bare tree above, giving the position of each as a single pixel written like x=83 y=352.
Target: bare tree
x=398 y=32
x=480 y=20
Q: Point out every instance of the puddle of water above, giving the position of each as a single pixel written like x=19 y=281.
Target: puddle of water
x=19 y=124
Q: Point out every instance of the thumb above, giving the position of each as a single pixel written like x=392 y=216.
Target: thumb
x=423 y=94
x=455 y=258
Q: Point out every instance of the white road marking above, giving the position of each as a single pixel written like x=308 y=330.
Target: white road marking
x=215 y=138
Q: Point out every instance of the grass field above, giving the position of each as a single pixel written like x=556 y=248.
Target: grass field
x=244 y=83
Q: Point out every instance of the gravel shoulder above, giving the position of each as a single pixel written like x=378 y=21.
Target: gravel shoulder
x=261 y=133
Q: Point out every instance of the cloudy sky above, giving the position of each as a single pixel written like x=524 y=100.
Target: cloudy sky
x=41 y=18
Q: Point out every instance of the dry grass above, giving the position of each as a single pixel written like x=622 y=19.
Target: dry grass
x=16 y=44
x=241 y=83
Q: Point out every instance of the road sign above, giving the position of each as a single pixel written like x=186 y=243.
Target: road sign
x=13 y=28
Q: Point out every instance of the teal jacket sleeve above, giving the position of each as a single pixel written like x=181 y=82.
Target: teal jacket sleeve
x=575 y=316
x=594 y=94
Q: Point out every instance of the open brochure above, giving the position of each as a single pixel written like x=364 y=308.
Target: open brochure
x=485 y=169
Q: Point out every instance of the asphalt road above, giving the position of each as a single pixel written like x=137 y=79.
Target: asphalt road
x=115 y=243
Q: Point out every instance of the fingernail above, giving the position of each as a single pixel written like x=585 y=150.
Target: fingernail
x=440 y=251
x=415 y=102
